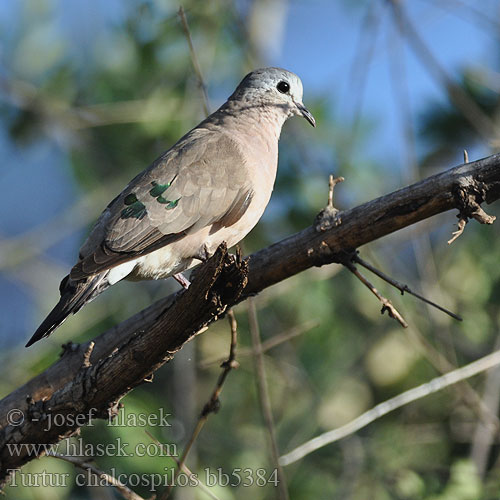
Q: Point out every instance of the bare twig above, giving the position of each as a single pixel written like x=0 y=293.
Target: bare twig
x=264 y=399
x=435 y=385
x=213 y=404
x=86 y=355
x=332 y=182
x=329 y=216
x=386 y=303
x=194 y=60
x=124 y=490
x=458 y=232
x=268 y=344
x=401 y=287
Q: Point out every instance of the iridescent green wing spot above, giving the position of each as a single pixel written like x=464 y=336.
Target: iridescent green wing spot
x=135 y=209
x=157 y=191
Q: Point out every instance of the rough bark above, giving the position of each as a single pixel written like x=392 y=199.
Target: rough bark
x=90 y=379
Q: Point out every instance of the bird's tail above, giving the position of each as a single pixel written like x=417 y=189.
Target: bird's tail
x=74 y=295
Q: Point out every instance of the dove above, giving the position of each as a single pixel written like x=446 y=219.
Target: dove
x=212 y=186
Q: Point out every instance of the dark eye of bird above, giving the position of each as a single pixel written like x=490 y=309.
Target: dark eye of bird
x=283 y=87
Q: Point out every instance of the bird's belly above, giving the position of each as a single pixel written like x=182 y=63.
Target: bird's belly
x=160 y=264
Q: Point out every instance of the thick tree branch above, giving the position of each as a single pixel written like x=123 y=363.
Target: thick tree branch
x=90 y=379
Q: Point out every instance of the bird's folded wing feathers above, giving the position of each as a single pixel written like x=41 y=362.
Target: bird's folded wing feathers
x=202 y=181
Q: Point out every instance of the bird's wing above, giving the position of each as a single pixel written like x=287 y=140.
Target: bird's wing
x=202 y=181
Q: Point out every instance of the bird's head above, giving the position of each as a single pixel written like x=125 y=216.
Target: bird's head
x=274 y=87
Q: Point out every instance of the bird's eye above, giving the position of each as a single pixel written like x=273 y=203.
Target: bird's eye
x=283 y=87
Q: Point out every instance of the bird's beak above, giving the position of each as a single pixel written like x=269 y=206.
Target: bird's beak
x=306 y=113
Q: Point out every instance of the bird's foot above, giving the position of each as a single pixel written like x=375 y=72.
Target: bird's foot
x=180 y=278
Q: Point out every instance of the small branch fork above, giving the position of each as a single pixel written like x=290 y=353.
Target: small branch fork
x=213 y=404
x=402 y=287
x=330 y=216
x=386 y=303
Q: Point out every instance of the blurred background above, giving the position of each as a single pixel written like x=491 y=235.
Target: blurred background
x=92 y=91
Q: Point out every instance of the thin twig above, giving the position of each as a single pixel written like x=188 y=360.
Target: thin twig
x=435 y=385
x=332 y=182
x=194 y=60
x=386 y=303
x=185 y=468
x=458 y=232
x=402 y=287
x=263 y=392
x=329 y=216
x=268 y=344
x=124 y=490
x=213 y=404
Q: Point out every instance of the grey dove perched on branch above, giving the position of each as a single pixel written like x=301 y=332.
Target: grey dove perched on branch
x=212 y=186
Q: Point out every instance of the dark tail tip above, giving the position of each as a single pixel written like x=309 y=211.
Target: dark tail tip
x=46 y=328
x=61 y=311
x=32 y=340
x=73 y=297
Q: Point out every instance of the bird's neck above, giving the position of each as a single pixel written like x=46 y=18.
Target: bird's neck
x=260 y=124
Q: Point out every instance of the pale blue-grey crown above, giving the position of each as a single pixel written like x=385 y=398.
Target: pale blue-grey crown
x=261 y=86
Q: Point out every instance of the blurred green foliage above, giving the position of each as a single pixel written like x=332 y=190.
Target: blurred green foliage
x=115 y=104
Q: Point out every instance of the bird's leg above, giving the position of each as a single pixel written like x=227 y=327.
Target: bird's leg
x=202 y=255
x=180 y=278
